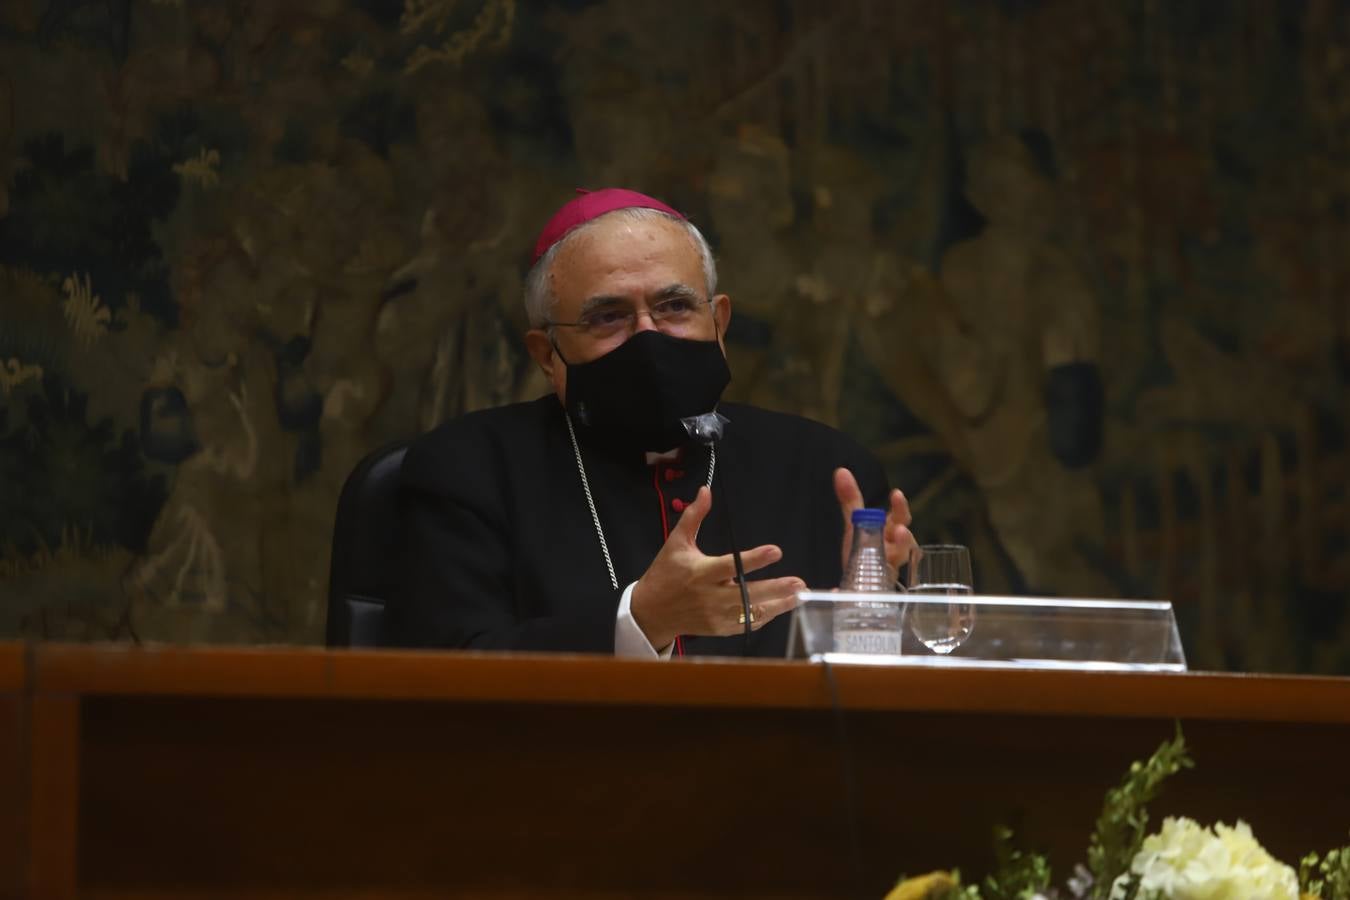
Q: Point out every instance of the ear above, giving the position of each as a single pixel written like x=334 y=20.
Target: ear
x=722 y=316
x=541 y=350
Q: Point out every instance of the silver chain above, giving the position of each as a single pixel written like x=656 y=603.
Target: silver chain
x=590 y=501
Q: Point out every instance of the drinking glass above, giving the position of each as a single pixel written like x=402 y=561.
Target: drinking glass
x=941 y=569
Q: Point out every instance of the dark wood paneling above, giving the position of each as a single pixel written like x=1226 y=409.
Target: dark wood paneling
x=13 y=772
x=55 y=751
x=304 y=773
x=477 y=799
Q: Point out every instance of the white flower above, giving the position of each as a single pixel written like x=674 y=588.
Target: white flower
x=1186 y=861
x=1080 y=882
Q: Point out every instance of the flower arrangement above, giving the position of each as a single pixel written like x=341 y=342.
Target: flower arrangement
x=1183 y=860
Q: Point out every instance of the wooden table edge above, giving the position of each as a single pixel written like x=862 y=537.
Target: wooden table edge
x=315 y=673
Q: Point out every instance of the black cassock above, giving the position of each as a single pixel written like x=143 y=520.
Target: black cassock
x=501 y=551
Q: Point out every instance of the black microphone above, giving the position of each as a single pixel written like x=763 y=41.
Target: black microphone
x=707 y=430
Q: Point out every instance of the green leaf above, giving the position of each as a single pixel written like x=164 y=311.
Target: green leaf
x=1017 y=874
x=1123 y=822
x=1307 y=867
x=1335 y=871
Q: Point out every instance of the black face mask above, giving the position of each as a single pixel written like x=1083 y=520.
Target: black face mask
x=634 y=396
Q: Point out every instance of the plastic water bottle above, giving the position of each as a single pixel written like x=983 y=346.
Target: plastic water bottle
x=862 y=626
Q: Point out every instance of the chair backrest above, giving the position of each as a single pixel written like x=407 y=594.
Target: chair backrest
x=365 y=550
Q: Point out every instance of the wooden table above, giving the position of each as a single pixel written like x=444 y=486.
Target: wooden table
x=310 y=773
x=13 y=770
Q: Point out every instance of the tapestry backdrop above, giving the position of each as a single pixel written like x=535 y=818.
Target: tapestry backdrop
x=1076 y=271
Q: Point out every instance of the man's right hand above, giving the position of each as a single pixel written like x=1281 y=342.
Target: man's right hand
x=685 y=592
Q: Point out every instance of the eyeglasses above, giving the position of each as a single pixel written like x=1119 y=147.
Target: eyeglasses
x=616 y=318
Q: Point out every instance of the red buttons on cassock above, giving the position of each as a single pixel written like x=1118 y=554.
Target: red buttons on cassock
x=678 y=505
x=671 y=474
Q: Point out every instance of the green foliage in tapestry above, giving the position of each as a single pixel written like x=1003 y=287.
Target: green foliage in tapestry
x=66 y=217
x=60 y=473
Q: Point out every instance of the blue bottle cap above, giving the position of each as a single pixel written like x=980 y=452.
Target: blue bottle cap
x=868 y=516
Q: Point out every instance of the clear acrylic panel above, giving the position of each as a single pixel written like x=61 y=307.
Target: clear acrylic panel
x=971 y=630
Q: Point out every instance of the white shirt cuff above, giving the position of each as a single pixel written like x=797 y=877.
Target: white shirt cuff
x=629 y=641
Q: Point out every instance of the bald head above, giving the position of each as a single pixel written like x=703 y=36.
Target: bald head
x=539 y=296
x=628 y=259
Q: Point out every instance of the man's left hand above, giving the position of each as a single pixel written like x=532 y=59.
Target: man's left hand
x=899 y=540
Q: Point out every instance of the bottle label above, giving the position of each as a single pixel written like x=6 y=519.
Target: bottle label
x=867 y=641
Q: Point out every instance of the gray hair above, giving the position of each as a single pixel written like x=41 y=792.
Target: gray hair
x=539 y=299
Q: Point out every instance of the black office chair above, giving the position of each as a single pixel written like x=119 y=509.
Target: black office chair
x=365 y=550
